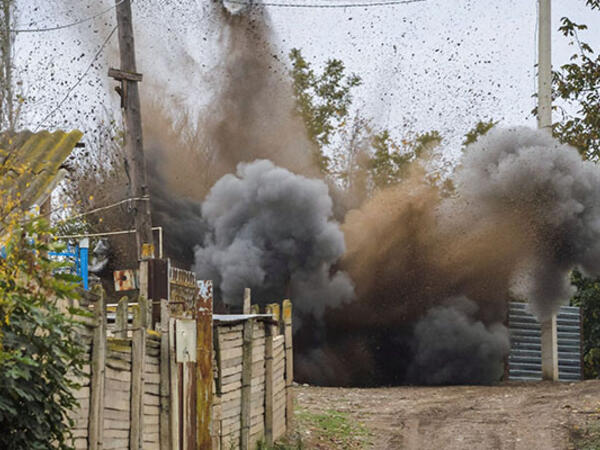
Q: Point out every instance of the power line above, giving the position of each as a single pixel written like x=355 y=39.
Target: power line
x=104 y=208
x=69 y=25
x=325 y=5
x=79 y=80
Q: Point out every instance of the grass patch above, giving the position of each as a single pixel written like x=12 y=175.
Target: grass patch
x=586 y=438
x=285 y=444
x=331 y=427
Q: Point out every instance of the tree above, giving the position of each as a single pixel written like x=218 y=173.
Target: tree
x=322 y=100
x=350 y=160
x=480 y=129
x=576 y=87
x=588 y=299
x=40 y=356
x=390 y=162
x=348 y=149
x=387 y=165
x=10 y=101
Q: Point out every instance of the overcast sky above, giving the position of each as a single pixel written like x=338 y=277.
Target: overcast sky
x=438 y=64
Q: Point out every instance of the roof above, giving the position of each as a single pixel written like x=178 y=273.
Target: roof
x=31 y=164
x=236 y=318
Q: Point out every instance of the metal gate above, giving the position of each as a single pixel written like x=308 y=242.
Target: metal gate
x=525 y=359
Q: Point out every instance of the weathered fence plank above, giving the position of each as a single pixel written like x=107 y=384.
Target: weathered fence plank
x=121 y=319
x=96 y=418
x=165 y=405
x=270 y=332
x=289 y=361
x=138 y=351
x=204 y=369
x=245 y=418
x=174 y=385
x=247 y=301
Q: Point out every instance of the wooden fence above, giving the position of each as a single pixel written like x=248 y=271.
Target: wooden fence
x=197 y=381
x=252 y=399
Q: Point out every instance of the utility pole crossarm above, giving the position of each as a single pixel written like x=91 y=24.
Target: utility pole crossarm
x=134 y=143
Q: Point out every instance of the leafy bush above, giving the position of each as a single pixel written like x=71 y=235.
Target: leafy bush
x=39 y=357
x=588 y=298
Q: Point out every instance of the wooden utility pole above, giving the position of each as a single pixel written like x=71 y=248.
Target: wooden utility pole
x=130 y=102
x=549 y=334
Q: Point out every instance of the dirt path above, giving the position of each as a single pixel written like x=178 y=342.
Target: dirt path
x=523 y=416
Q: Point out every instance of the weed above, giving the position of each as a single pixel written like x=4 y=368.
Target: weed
x=586 y=438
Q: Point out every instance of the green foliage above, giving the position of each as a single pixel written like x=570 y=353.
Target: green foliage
x=390 y=162
x=482 y=127
x=387 y=165
x=39 y=357
x=322 y=100
x=577 y=84
x=588 y=298
x=586 y=437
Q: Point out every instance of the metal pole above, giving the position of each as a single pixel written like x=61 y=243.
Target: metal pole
x=545 y=66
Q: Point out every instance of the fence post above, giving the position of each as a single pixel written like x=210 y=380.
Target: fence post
x=276 y=308
x=174 y=385
x=204 y=369
x=165 y=440
x=270 y=331
x=138 y=353
x=245 y=419
x=289 y=362
x=121 y=319
x=143 y=277
x=247 y=301
x=96 y=417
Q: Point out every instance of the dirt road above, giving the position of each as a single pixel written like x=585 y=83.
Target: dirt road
x=519 y=416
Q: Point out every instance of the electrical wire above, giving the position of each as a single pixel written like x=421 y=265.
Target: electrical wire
x=329 y=5
x=104 y=208
x=69 y=25
x=79 y=80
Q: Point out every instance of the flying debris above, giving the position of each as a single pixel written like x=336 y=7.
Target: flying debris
x=236 y=7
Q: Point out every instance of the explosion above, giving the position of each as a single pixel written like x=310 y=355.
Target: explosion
x=413 y=285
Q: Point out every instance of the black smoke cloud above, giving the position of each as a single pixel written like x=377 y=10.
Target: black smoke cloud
x=453 y=347
x=272 y=231
x=529 y=172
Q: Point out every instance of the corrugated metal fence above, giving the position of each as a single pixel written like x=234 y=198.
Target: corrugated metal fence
x=525 y=359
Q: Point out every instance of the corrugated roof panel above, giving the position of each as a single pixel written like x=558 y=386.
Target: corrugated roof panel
x=30 y=163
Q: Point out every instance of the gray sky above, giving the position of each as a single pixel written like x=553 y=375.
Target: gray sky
x=439 y=64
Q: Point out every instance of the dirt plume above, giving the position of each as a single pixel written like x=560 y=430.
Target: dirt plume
x=524 y=212
x=250 y=116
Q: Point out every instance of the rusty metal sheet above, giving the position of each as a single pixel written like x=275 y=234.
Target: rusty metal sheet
x=183 y=289
x=125 y=280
